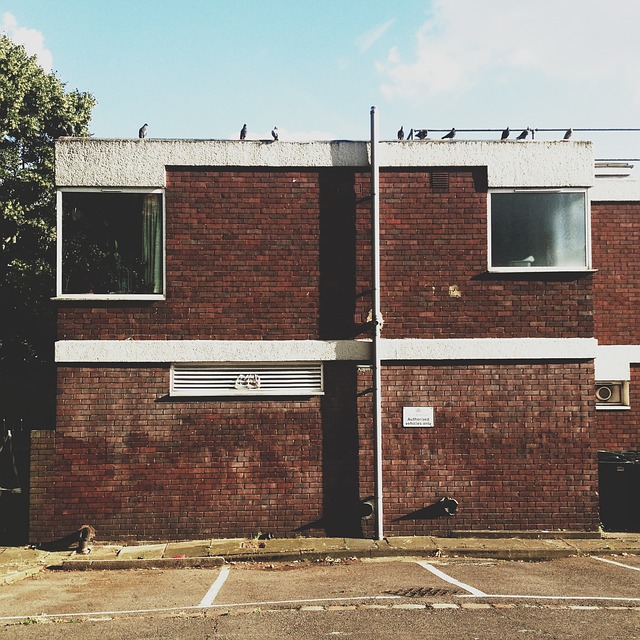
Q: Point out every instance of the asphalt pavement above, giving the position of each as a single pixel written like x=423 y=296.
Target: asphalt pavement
x=17 y=563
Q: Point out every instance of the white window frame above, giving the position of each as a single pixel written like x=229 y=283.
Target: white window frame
x=533 y=268
x=247 y=379
x=107 y=296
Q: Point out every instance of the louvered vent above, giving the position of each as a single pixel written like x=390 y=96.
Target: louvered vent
x=440 y=181
x=246 y=380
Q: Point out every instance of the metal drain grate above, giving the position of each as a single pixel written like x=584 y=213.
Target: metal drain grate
x=422 y=592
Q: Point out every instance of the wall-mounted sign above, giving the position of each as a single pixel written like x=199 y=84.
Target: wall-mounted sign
x=417 y=417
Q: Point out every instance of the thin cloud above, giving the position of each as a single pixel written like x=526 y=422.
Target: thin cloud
x=368 y=39
x=31 y=39
x=463 y=44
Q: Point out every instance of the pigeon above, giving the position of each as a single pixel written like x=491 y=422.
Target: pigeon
x=422 y=134
x=243 y=132
x=274 y=133
x=410 y=136
x=142 y=132
x=401 y=133
x=568 y=134
x=451 y=135
x=505 y=134
x=523 y=135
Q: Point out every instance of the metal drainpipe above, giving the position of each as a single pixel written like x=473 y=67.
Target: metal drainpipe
x=377 y=324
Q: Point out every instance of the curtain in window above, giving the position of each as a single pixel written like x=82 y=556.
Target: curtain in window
x=152 y=242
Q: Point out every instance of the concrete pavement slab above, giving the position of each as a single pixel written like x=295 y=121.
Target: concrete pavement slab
x=193 y=549
x=142 y=552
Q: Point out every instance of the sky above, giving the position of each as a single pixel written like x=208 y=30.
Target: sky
x=314 y=68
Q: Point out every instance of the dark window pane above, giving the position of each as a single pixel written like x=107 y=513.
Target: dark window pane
x=111 y=243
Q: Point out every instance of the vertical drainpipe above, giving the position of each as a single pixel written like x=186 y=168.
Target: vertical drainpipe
x=377 y=324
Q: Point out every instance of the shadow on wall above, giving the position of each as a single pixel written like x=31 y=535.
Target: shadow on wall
x=342 y=507
x=443 y=508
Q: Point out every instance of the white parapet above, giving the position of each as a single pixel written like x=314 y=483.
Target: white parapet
x=91 y=162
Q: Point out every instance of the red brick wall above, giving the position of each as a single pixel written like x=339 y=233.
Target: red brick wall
x=137 y=464
x=618 y=430
x=434 y=269
x=511 y=442
x=616 y=240
x=242 y=262
x=284 y=254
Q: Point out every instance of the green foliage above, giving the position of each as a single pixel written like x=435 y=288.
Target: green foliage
x=35 y=109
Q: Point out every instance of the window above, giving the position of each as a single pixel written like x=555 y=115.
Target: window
x=542 y=230
x=246 y=379
x=111 y=243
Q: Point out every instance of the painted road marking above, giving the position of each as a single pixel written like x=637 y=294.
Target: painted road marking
x=528 y=597
x=472 y=590
x=214 y=589
x=80 y=614
x=618 y=564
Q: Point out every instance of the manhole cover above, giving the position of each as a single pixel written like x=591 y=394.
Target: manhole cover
x=422 y=592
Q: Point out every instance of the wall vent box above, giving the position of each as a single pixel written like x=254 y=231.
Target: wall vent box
x=417 y=417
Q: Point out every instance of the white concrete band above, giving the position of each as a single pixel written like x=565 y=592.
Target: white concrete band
x=193 y=351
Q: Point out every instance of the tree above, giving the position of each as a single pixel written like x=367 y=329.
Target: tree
x=35 y=109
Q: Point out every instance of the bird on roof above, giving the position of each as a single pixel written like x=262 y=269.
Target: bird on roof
x=422 y=134
x=243 y=132
x=451 y=135
x=410 y=136
x=523 y=135
x=401 y=133
x=568 y=133
x=142 y=132
x=274 y=133
x=505 y=134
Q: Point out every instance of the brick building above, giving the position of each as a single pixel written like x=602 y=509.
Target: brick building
x=215 y=339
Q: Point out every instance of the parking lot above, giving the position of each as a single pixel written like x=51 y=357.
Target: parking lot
x=578 y=583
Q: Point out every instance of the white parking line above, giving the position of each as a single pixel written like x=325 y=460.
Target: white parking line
x=84 y=614
x=618 y=564
x=214 y=589
x=472 y=590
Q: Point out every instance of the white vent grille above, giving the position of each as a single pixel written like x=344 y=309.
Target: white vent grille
x=246 y=380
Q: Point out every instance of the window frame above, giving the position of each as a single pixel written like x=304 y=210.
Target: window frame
x=587 y=267
x=59 y=231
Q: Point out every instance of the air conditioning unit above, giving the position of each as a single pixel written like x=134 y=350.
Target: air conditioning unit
x=612 y=393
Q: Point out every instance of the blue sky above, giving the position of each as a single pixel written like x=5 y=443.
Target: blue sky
x=202 y=68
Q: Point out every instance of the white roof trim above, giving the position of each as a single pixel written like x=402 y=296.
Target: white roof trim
x=95 y=162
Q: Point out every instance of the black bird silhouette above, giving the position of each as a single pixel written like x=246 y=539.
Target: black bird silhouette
x=505 y=134
x=401 y=133
x=410 y=136
x=274 y=133
x=568 y=134
x=243 y=132
x=422 y=134
x=451 y=135
x=142 y=132
x=523 y=135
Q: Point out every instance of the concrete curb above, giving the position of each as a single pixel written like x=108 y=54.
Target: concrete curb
x=140 y=563
x=16 y=576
